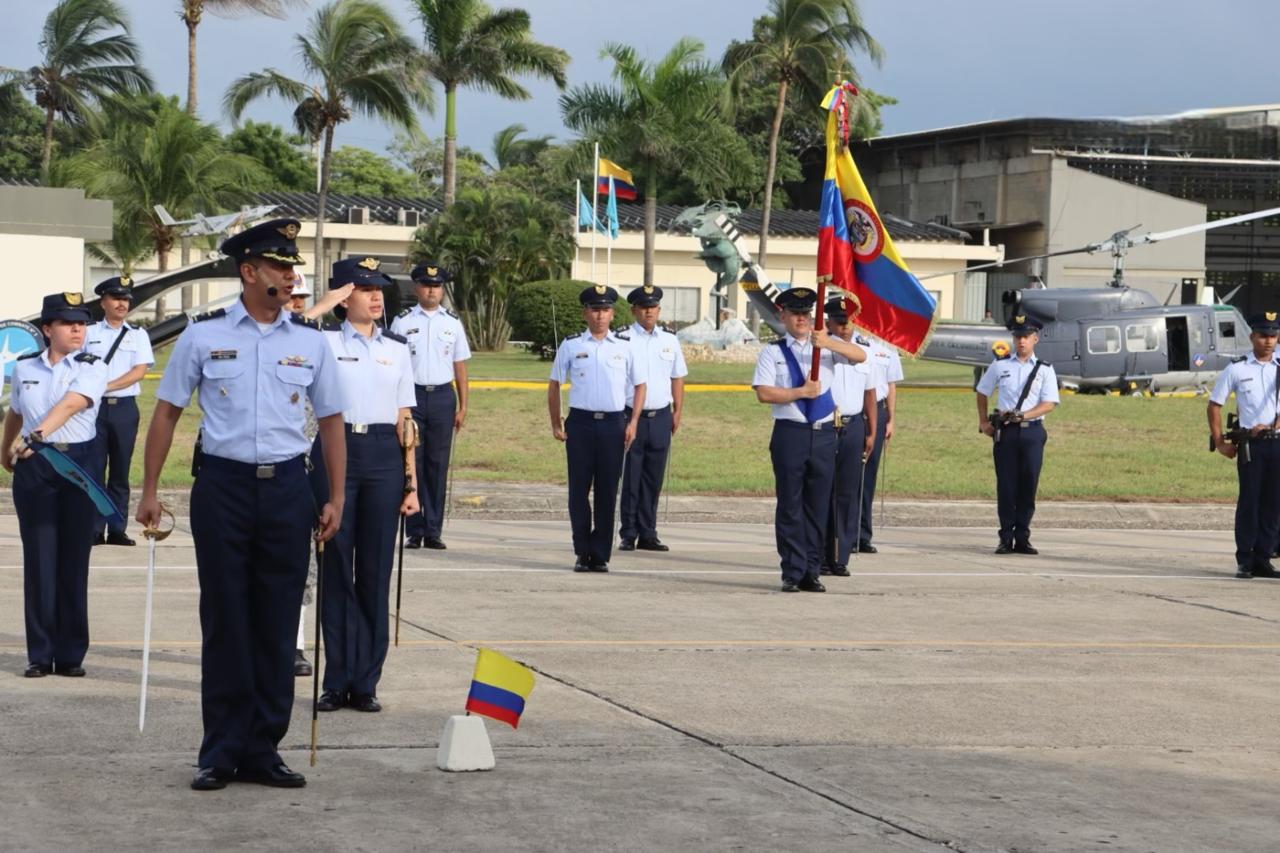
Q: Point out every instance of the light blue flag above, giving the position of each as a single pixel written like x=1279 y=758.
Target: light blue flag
x=611 y=211
x=586 y=216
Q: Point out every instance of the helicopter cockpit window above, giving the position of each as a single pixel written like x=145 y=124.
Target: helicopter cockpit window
x=1104 y=340
x=1141 y=337
x=1226 y=329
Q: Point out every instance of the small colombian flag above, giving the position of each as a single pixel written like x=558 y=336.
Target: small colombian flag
x=499 y=688
x=623 y=184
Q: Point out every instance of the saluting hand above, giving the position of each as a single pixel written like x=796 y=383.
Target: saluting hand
x=330 y=520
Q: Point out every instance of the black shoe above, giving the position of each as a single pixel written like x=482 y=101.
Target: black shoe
x=825 y=570
x=838 y=571
x=790 y=586
x=413 y=543
x=76 y=671
x=211 y=779
x=120 y=538
x=627 y=545
x=867 y=548
x=1024 y=547
x=100 y=539
x=654 y=544
x=1243 y=571
x=595 y=564
x=301 y=666
x=434 y=543
x=582 y=564
x=367 y=703
x=279 y=776
x=812 y=585
x=331 y=700
x=1265 y=570
x=37 y=670
x=1004 y=548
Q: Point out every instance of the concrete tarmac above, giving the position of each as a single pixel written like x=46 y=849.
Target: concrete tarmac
x=1117 y=692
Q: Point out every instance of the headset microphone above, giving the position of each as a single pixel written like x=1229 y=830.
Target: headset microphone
x=271 y=291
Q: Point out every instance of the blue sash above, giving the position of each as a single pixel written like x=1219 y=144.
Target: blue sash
x=814 y=409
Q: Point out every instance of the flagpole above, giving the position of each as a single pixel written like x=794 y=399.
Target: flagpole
x=577 y=230
x=608 y=262
x=595 y=183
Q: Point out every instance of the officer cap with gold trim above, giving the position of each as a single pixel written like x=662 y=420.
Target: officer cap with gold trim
x=431 y=274
x=646 y=296
x=274 y=240
x=1021 y=324
x=64 y=306
x=119 y=285
x=798 y=300
x=1265 y=323
x=598 y=296
x=362 y=271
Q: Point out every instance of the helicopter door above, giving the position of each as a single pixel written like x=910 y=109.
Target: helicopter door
x=1102 y=356
x=1145 y=354
x=1179 y=344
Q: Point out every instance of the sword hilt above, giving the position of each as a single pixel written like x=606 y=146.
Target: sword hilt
x=157 y=533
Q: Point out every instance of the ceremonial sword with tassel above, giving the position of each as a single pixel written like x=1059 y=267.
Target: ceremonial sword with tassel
x=153 y=535
x=409 y=438
x=315 y=672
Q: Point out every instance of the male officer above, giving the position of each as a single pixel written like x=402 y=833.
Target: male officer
x=1253 y=380
x=439 y=348
x=251 y=506
x=803 y=445
x=126 y=351
x=642 y=471
x=1027 y=390
x=52 y=399
x=600 y=365
x=854 y=393
x=886 y=368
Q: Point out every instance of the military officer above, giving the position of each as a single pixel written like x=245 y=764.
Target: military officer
x=803 y=445
x=251 y=506
x=439 y=348
x=126 y=352
x=1026 y=389
x=1253 y=380
x=853 y=391
x=887 y=371
x=600 y=365
x=376 y=374
x=645 y=465
x=53 y=398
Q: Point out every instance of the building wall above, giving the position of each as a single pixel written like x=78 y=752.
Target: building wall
x=35 y=265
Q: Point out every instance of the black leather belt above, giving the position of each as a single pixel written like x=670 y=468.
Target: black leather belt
x=296 y=465
x=434 y=387
x=821 y=425
x=598 y=416
x=370 y=429
x=648 y=413
x=111 y=401
x=846 y=419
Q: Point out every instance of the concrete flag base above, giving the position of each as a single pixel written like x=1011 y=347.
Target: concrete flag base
x=465 y=745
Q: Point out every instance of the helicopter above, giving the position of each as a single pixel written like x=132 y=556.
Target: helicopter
x=1113 y=337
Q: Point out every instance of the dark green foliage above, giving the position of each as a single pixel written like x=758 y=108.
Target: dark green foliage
x=280 y=154
x=541 y=310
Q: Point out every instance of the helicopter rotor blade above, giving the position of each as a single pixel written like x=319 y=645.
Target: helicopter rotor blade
x=1156 y=236
x=1007 y=261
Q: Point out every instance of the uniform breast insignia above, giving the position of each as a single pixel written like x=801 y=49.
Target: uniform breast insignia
x=386 y=362
x=87 y=357
x=209 y=315
x=394 y=337
x=303 y=321
x=293 y=398
x=295 y=361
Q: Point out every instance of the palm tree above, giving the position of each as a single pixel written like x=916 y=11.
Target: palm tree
x=130 y=242
x=360 y=60
x=510 y=150
x=468 y=44
x=175 y=161
x=84 y=60
x=799 y=43
x=661 y=119
x=192 y=13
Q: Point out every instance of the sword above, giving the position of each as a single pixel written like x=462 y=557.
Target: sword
x=409 y=437
x=152 y=535
x=315 y=671
x=862 y=486
x=400 y=579
x=666 y=484
x=884 y=468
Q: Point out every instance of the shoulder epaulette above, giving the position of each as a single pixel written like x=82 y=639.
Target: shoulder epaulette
x=303 y=321
x=331 y=327
x=87 y=357
x=861 y=341
x=393 y=336
x=1004 y=357
x=209 y=315
x=451 y=314
x=26 y=356
x=1233 y=361
x=1046 y=364
x=406 y=312
x=622 y=336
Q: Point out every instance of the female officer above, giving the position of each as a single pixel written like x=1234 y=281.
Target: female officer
x=54 y=398
x=374 y=364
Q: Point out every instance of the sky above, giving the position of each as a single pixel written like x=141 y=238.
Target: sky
x=946 y=61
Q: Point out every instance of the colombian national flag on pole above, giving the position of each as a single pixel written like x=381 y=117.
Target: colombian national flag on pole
x=623 y=184
x=499 y=688
x=856 y=253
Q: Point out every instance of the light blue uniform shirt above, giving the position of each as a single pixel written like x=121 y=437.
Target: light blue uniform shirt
x=886 y=366
x=37 y=386
x=663 y=360
x=436 y=341
x=851 y=379
x=134 y=349
x=599 y=372
x=253 y=384
x=1254 y=384
x=1006 y=376
x=771 y=369
x=375 y=373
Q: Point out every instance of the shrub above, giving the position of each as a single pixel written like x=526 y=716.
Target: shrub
x=533 y=320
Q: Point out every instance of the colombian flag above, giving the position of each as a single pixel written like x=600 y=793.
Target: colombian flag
x=623 y=184
x=855 y=251
x=499 y=688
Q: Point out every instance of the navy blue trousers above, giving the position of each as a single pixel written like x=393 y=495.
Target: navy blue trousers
x=1018 y=455
x=842 y=522
x=803 y=469
x=434 y=415
x=1258 y=505
x=357 y=563
x=873 y=468
x=595 y=450
x=251 y=539
x=55 y=520
x=646 y=463
x=113 y=451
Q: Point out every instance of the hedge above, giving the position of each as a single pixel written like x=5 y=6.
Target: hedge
x=533 y=320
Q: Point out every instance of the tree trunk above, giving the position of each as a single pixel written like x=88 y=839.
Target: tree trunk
x=189 y=290
x=450 y=176
x=769 y=172
x=650 y=221
x=163 y=245
x=191 y=66
x=321 y=276
x=46 y=155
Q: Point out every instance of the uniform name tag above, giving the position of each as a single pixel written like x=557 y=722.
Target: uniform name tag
x=348 y=358
x=31 y=382
x=411 y=331
x=223 y=354
x=583 y=355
